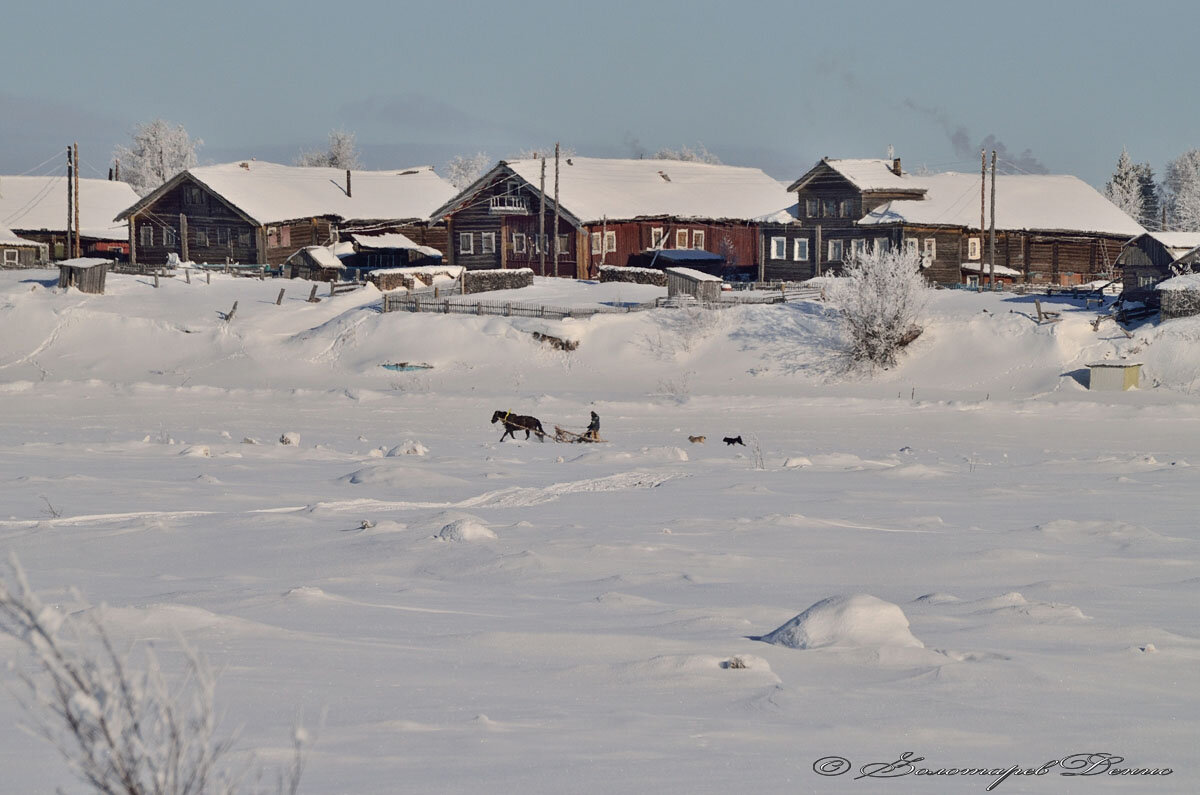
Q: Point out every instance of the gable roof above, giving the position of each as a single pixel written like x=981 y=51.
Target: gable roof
x=593 y=189
x=1044 y=202
x=270 y=193
x=391 y=241
x=866 y=174
x=39 y=204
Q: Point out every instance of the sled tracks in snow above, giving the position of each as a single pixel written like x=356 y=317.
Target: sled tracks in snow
x=521 y=496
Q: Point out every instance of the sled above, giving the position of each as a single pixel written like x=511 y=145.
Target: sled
x=563 y=435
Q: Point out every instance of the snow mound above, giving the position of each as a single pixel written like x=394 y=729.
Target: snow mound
x=466 y=529
x=796 y=462
x=1120 y=533
x=849 y=461
x=936 y=598
x=855 y=621
x=197 y=451
x=1014 y=605
x=408 y=448
x=290 y=437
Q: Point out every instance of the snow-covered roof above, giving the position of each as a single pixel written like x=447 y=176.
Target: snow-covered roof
x=37 y=204
x=453 y=271
x=392 y=240
x=866 y=174
x=85 y=262
x=8 y=237
x=323 y=257
x=694 y=274
x=271 y=193
x=593 y=189
x=1001 y=270
x=1181 y=242
x=1188 y=281
x=1044 y=202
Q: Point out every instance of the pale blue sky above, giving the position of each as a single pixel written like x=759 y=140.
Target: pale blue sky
x=769 y=84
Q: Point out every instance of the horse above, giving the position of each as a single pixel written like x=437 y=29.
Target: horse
x=516 y=422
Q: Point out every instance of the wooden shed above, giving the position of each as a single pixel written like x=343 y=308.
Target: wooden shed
x=315 y=263
x=703 y=287
x=17 y=252
x=85 y=274
x=1114 y=376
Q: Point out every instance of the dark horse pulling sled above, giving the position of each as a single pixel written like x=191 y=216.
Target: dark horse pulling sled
x=518 y=422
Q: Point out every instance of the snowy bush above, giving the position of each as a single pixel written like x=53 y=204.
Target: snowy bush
x=119 y=729
x=880 y=298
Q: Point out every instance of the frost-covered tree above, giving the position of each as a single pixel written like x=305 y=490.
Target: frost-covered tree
x=342 y=152
x=1125 y=188
x=1181 y=192
x=880 y=298
x=122 y=728
x=462 y=170
x=698 y=155
x=158 y=152
x=537 y=152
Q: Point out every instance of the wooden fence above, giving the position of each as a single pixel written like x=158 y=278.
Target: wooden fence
x=445 y=306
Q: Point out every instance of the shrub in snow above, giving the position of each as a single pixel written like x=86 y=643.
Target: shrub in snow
x=120 y=729
x=291 y=437
x=408 y=448
x=879 y=299
x=847 y=621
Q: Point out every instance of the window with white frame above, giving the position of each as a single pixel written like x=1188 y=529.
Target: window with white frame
x=146 y=235
x=812 y=208
x=518 y=242
x=656 y=237
x=466 y=243
x=973 y=248
x=910 y=245
x=835 y=251
x=859 y=247
x=881 y=245
x=596 y=240
x=697 y=238
x=800 y=249
x=564 y=244
x=681 y=238
x=930 y=247
x=845 y=208
x=12 y=256
x=487 y=242
x=170 y=237
x=779 y=248
x=610 y=242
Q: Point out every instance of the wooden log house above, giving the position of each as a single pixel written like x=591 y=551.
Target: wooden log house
x=1152 y=258
x=254 y=212
x=1050 y=229
x=610 y=211
x=35 y=209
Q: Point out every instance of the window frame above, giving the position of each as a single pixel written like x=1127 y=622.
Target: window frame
x=519 y=243
x=929 y=247
x=778 y=248
x=882 y=245
x=797 y=243
x=812 y=208
x=202 y=237
x=564 y=245
x=487 y=242
x=466 y=242
x=681 y=238
x=16 y=256
x=657 y=237
x=146 y=235
x=597 y=243
x=912 y=245
x=829 y=208
x=698 y=238
x=170 y=236
x=841 y=250
x=610 y=242
x=974 y=248
x=858 y=246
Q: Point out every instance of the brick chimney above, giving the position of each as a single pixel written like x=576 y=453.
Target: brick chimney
x=896 y=167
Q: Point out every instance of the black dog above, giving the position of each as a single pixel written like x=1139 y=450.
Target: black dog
x=732 y=440
x=516 y=422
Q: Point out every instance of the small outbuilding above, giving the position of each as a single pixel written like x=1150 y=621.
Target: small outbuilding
x=315 y=263
x=1115 y=376
x=1180 y=296
x=17 y=252
x=695 y=259
x=703 y=287
x=85 y=274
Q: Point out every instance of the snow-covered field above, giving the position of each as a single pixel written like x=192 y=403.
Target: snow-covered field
x=547 y=618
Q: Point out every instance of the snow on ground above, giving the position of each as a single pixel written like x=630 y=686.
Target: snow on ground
x=471 y=616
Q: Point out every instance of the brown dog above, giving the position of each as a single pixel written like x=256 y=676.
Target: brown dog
x=696 y=439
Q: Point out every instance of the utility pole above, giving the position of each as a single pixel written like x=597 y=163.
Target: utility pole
x=542 y=220
x=78 y=247
x=67 y=247
x=992 y=234
x=555 y=208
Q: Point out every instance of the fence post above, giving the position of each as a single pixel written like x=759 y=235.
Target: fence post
x=312 y=296
x=187 y=275
x=156 y=279
x=208 y=277
x=446 y=306
x=279 y=300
